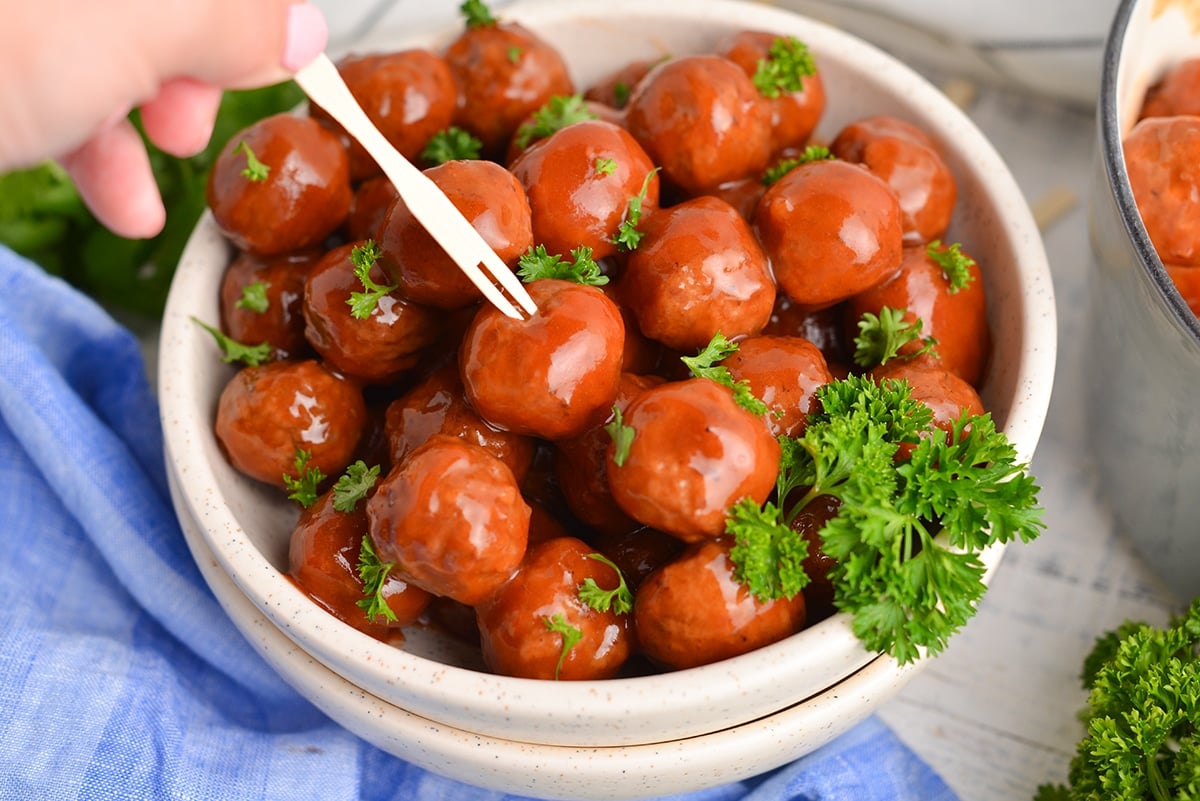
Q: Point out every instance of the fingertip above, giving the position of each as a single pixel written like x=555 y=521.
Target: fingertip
x=113 y=175
x=180 y=118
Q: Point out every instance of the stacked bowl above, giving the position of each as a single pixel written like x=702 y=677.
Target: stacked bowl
x=428 y=701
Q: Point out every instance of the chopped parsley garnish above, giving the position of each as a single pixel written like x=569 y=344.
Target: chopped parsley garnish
x=628 y=236
x=881 y=337
x=784 y=166
x=621 y=92
x=605 y=166
x=451 y=144
x=955 y=264
x=254 y=297
x=304 y=486
x=476 y=14
x=234 y=351
x=363 y=257
x=514 y=54
x=619 y=599
x=558 y=112
x=536 y=264
x=254 y=170
x=571 y=635
x=705 y=365
x=353 y=485
x=787 y=63
x=622 y=437
x=373 y=573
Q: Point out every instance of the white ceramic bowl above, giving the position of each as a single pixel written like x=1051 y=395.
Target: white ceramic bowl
x=246 y=526
x=1145 y=378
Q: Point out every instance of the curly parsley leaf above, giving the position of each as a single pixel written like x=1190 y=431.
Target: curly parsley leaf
x=705 y=365
x=353 y=485
x=254 y=170
x=622 y=437
x=767 y=553
x=362 y=304
x=234 y=351
x=476 y=14
x=955 y=264
x=880 y=337
x=784 y=166
x=303 y=487
x=628 y=237
x=619 y=599
x=605 y=166
x=451 y=144
x=558 y=112
x=254 y=297
x=571 y=635
x=536 y=263
x=374 y=574
x=787 y=63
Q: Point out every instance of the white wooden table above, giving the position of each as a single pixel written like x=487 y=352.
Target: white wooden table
x=996 y=714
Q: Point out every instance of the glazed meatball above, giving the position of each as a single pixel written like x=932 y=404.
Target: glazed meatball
x=1177 y=93
x=553 y=375
x=693 y=611
x=1187 y=281
x=947 y=395
x=831 y=230
x=323 y=556
x=694 y=454
x=614 y=89
x=369 y=206
x=822 y=327
x=262 y=300
x=702 y=120
x=580 y=180
x=1161 y=154
x=377 y=348
x=491 y=199
x=956 y=319
x=266 y=414
x=526 y=628
x=504 y=73
x=699 y=269
x=438 y=405
x=281 y=184
x=794 y=114
x=785 y=374
x=907 y=159
x=452 y=519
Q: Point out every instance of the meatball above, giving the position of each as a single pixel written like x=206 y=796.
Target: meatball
x=1177 y=93
x=537 y=626
x=491 y=199
x=281 y=184
x=947 y=395
x=1161 y=153
x=323 y=556
x=553 y=375
x=580 y=180
x=614 y=89
x=957 y=319
x=702 y=120
x=267 y=414
x=452 y=519
x=369 y=206
x=698 y=270
x=504 y=72
x=693 y=611
x=907 y=159
x=409 y=95
x=262 y=300
x=831 y=229
x=377 y=348
x=694 y=454
x=785 y=374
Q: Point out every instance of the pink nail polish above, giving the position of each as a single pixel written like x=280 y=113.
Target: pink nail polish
x=307 y=34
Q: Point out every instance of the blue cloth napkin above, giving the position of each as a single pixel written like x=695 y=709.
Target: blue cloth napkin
x=120 y=675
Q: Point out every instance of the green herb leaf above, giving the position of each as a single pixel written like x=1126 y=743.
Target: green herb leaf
x=881 y=337
x=621 y=92
x=571 y=635
x=605 y=166
x=536 y=264
x=451 y=144
x=704 y=365
x=234 y=351
x=622 y=437
x=954 y=263
x=353 y=486
x=514 y=54
x=767 y=554
x=628 y=236
x=558 y=112
x=362 y=304
x=304 y=487
x=787 y=63
x=254 y=170
x=373 y=573
x=476 y=14
x=619 y=599
x=784 y=166
x=254 y=297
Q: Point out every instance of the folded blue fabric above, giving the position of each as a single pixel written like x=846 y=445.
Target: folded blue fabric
x=120 y=675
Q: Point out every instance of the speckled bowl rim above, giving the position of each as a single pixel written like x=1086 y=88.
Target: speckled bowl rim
x=619 y=711
x=1111 y=130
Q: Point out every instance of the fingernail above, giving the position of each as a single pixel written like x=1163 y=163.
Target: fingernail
x=307 y=34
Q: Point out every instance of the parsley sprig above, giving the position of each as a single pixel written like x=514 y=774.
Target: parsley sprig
x=451 y=144
x=628 y=237
x=557 y=113
x=1143 y=716
x=880 y=337
x=908 y=535
x=954 y=263
x=619 y=599
x=363 y=257
x=784 y=166
x=374 y=573
x=254 y=170
x=536 y=263
x=787 y=63
x=622 y=436
x=476 y=14
x=353 y=486
x=705 y=364
x=571 y=635
x=304 y=486
x=254 y=297
x=234 y=351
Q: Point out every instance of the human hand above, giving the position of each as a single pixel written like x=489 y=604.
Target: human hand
x=70 y=73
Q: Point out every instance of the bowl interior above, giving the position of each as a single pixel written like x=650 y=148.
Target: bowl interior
x=247 y=526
